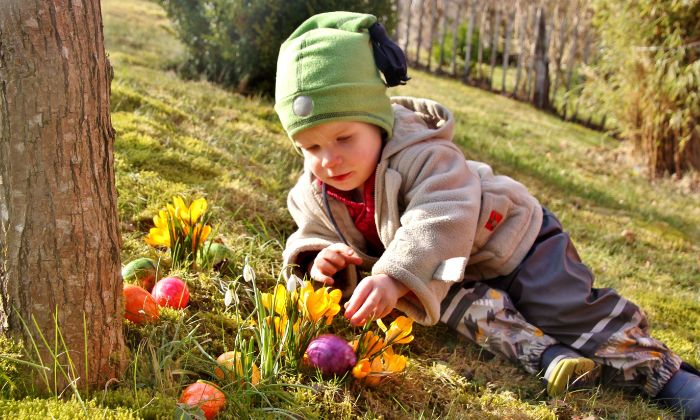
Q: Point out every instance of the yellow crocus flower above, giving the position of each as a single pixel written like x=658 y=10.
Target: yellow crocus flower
x=161 y=220
x=197 y=208
x=376 y=372
x=361 y=369
x=372 y=372
x=400 y=331
x=393 y=362
x=320 y=303
x=179 y=203
x=199 y=235
x=189 y=215
x=180 y=228
x=281 y=324
x=160 y=234
x=171 y=210
x=305 y=290
x=158 y=237
x=371 y=345
x=276 y=300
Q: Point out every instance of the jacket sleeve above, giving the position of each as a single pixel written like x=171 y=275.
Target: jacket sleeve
x=313 y=233
x=428 y=253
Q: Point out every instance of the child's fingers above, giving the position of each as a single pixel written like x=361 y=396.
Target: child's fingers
x=317 y=275
x=352 y=258
x=329 y=261
x=328 y=264
x=370 y=307
x=356 y=300
x=345 y=252
x=334 y=256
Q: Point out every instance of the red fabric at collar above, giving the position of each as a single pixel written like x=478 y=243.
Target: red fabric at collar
x=362 y=214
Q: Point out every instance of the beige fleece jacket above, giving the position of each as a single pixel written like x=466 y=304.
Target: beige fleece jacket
x=441 y=219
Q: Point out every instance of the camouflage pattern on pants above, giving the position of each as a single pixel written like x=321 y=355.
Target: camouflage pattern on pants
x=487 y=317
x=635 y=361
x=631 y=359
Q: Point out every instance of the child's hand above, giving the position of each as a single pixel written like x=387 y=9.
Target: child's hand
x=331 y=260
x=374 y=297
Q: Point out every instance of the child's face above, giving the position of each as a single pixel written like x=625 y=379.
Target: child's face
x=342 y=154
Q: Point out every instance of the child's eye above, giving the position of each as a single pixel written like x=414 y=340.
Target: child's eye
x=344 y=138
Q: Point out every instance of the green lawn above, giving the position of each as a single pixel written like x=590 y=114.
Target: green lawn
x=193 y=138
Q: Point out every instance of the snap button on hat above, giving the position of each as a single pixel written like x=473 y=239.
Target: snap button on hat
x=303 y=106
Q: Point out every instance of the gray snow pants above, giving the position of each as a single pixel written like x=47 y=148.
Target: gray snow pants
x=549 y=298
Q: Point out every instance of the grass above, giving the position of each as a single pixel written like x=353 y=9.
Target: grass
x=193 y=138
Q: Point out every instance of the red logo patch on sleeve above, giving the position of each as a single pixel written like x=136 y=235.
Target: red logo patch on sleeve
x=494 y=219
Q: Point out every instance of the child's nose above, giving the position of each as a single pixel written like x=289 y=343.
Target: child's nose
x=330 y=160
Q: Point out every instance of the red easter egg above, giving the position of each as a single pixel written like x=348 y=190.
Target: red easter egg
x=172 y=292
x=206 y=396
x=139 y=305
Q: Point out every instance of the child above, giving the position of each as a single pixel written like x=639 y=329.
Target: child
x=384 y=190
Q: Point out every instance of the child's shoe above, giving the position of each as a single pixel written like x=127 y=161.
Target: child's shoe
x=682 y=393
x=566 y=370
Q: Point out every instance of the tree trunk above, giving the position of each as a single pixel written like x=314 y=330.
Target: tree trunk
x=541 y=95
x=59 y=234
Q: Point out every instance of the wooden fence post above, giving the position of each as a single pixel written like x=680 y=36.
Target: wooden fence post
x=480 y=54
x=506 y=49
x=455 y=32
x=537 y=39
x=541 y=95
x=572 y=55
x=408 y=27
x=433 y=24
x=397 y=4
x=494 y=44
x=563 y=27
x=521 y=55
x=445 y=5
x=420 y=32
x=586 y=51
x=572 y=60
x=536 y=16
x=468 y=49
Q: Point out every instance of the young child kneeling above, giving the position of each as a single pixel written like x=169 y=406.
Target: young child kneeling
x=386 y=191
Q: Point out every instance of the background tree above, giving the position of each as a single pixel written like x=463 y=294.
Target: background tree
x=236 y=42
x=59 y=235
x=647 y=78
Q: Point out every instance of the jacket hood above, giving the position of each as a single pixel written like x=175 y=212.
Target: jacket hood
x=417 y=120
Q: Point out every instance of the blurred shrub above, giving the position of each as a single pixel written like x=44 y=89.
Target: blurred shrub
x=647 y=77
x=235 y=42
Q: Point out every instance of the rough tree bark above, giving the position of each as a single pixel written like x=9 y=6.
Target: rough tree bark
x=59 y=234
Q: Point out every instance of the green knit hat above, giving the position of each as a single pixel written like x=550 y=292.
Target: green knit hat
x=326 y=72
